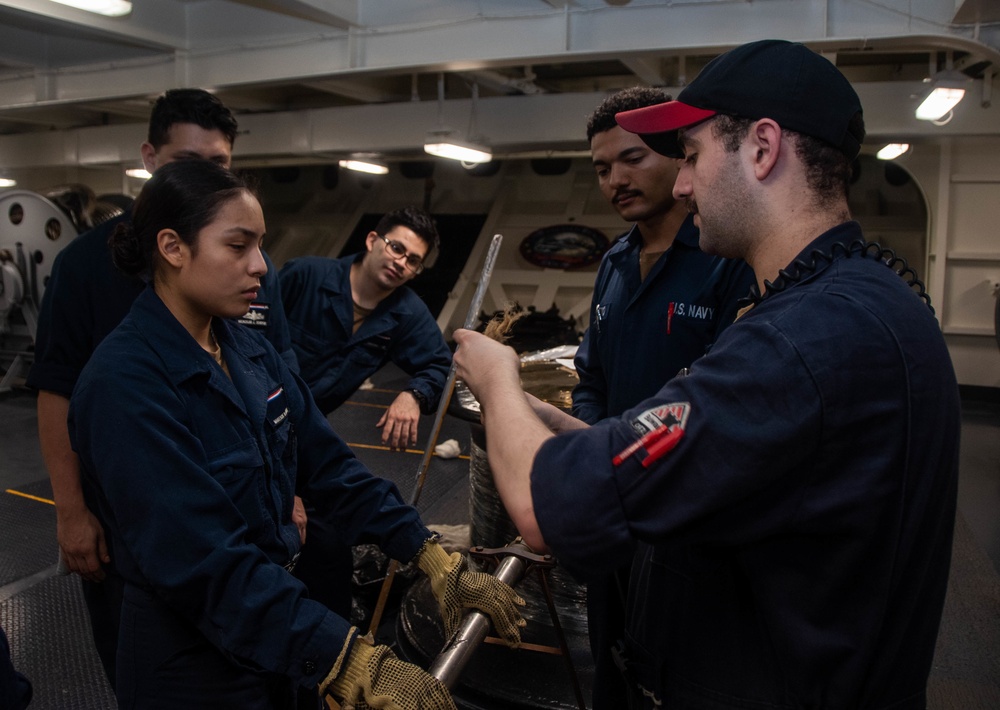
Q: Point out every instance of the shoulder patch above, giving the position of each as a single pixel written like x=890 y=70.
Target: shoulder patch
x=659 y=430
x=673 y=415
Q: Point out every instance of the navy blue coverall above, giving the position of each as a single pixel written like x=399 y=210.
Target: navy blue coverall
x=641 y=333
x=792 y=549
x=86 y=298
x=335 y=361
x=195 y=475
x=15 y=689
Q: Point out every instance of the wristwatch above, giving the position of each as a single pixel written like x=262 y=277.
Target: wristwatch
x=419 y=396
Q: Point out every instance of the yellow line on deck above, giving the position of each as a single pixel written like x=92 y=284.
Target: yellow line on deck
x=367 y=404
x=30 y=497
x=358 y=446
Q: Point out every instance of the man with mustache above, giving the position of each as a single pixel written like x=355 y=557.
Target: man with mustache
x=656 y=291
x=659 y=303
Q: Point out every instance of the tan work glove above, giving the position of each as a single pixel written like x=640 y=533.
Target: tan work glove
x=372 y=677
x=456 y=588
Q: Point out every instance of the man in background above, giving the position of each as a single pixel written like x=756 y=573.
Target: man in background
x=348 y=317
x=659 y=303
x=656 y=291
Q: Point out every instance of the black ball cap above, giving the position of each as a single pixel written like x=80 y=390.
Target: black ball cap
x=784 y=81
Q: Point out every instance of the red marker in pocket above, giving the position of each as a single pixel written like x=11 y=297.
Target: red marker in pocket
x=646 y=438
x=670 y=315
x=657 y=443
x=659 y=448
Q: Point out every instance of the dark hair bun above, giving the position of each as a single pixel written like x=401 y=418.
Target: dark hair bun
x=125 y=251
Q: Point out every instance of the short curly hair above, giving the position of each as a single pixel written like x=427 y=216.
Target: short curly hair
x=828 y=169
x=603 y=118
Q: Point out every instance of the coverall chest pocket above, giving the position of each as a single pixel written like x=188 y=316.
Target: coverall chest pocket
x=371 y=352
x=239 y=469
x=310 y=347
x=282 y=441
x=601 y=319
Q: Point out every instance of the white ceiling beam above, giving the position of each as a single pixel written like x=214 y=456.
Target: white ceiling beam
x=153 y=25
x=509 y=124
x=498 y=81
x=342 y=14
x=138 y=109
x=356 y=89
x=648 y=70
x=482 y=42
x=977 y=12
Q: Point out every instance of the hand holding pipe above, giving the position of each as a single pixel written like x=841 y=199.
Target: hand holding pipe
x=447 y=667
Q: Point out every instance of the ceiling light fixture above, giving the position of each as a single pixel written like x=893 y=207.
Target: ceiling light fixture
x=108 y=8
x=892 y=151
x=140 y=173
x=7 y=182
x=445 y=142
x=365 y=164
x=948 y=89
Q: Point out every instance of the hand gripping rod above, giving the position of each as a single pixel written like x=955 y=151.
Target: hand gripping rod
x=516 y=559
x=447 y=667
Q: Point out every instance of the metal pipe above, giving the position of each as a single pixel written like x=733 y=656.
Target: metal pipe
x=449 y=387
x=447 y=667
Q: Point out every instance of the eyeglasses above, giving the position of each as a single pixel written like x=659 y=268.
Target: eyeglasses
x=413 y=262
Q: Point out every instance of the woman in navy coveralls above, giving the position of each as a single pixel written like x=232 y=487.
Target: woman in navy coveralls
x=191 y=430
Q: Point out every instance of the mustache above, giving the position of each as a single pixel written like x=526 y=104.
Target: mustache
x=624 y=194
x=691 y=205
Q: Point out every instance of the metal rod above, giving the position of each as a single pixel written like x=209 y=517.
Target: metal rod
x=448 y=666
x=449 y=388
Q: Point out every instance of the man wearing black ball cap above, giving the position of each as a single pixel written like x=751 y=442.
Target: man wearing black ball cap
x=789 y=505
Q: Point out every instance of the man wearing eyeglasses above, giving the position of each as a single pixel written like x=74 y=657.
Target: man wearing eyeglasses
x=350 y=316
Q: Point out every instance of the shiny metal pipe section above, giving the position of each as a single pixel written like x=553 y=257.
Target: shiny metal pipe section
x=449 y=386
x=492 y=527
x=447 y=667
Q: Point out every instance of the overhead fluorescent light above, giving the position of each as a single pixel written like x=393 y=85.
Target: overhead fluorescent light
x=447 y=146
x=948 y=89
x=7 y=182
x=938 y=103
x=373 y=166
x=108 y=8
x=892 y=151
x=140 y=173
